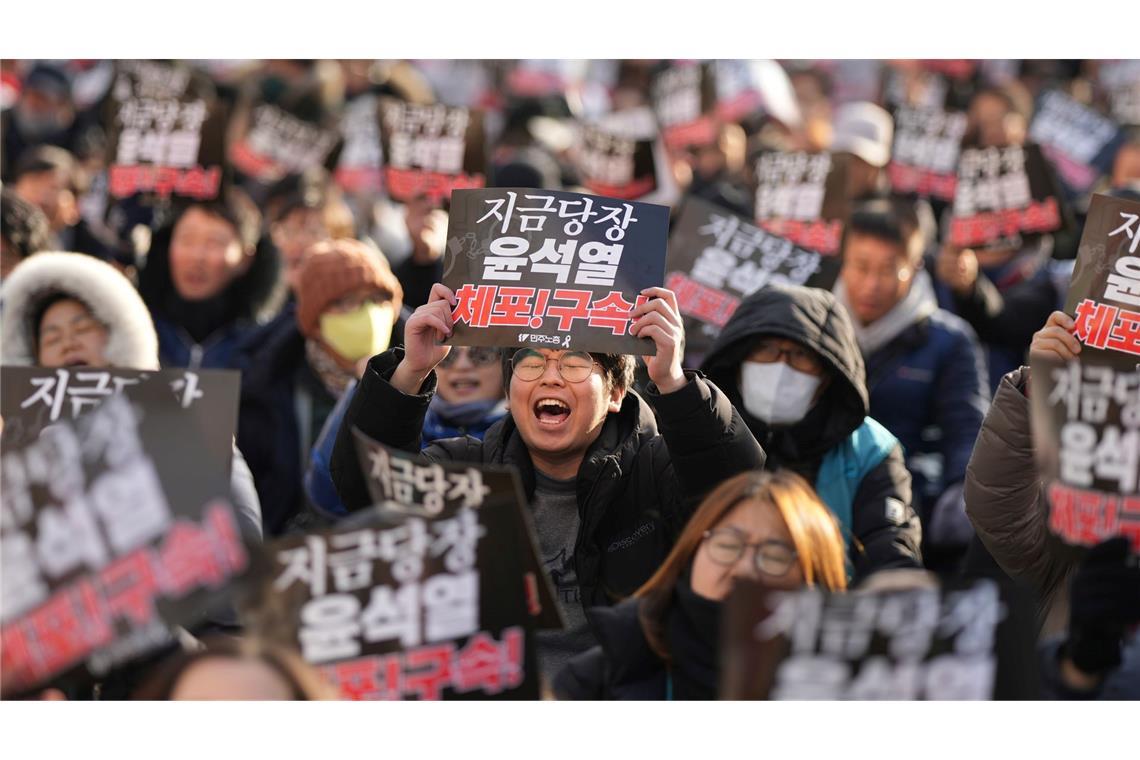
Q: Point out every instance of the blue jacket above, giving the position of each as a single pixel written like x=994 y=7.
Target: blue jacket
x=929 y=387
x=220 y=351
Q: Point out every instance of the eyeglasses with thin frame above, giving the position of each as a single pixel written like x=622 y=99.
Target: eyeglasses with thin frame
x=799 y=358
x=573 y=366
x=772 y=557
x=480 y=356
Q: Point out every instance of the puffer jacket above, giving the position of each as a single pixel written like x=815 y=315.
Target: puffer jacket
x=1006 y=502
x=131 y=340
x=884 y=526
x=637 y=485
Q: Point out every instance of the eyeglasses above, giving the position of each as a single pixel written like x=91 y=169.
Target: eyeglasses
x=573 y=366
x=480 y=356
x=772 y=557
x=799 y=358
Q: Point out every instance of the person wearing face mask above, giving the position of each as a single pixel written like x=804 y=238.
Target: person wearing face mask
x=348 y=302
x=789 y=361
x=663 y=642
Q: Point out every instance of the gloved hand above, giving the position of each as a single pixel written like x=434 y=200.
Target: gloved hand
x=1104 y=602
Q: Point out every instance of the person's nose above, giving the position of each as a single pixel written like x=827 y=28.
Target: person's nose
x=745 y=566
x=551 y=375
x=463 y=359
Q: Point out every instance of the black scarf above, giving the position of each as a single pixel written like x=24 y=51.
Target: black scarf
x=693 y=635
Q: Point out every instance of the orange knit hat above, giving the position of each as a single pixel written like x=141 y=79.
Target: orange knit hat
x=332 y=270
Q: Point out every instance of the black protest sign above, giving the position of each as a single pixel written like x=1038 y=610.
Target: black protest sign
x=573 y=267
x=405 y=609
x=166 y=133
x=116 y=527
x=1078 y=140
x=800 y=196
x=968 y=640
x=614 y=165
x=431 y=150
x=1121 y=82
x=717 y=259
x=358 y=170
x=684 y=99
x=1086 y=413
x=272 y=143
x=924 y=156
x=1003 y=194
x=404 y=482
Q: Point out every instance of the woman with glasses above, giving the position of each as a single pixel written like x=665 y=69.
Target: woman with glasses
x=662 y=643
x=469 y=397
x=789 y=361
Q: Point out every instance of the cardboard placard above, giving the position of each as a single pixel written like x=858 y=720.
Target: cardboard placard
x=964 y=641
x=717 y=259
x=401 y=480
x=274 y=143
x=1003 y=194
x=684 y=99
x=800 y=196
x=401 y=606
x=614 y=165
x=166 y=133
x=924 y=156
x=431 y=150
x=546 y=268
x=116 y=525
x=1086 y=413
x=1078 y=140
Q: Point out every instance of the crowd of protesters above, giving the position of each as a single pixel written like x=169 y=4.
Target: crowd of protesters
x=826 y=438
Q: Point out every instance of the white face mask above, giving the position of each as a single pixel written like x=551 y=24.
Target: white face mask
x=776 y=393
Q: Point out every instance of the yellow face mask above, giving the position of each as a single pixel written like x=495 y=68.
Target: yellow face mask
x=364 y=331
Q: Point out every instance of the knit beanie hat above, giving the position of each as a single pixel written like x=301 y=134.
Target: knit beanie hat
x=334 y=269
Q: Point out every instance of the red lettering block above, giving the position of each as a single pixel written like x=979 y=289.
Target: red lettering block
x=473 y=305
x=579 y=308
x=491 y=666
x=512 y=307
x=130 y=586
x=369 y=678
x=613 y=311
x=123 y=181
x=1062 y=515
x=432 y=672
x=1094 y=322
x=1125 y=333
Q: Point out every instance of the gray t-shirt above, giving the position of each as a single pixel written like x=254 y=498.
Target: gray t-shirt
x=556 y=522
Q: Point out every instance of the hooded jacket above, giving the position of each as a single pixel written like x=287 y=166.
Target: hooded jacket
x=882 y=522
x=637 y=486
x=131 y=340
x=208 y=334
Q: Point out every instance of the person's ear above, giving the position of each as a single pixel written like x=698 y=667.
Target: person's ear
x=617 y=396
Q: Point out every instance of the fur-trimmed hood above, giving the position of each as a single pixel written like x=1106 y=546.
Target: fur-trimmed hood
x=107 y=293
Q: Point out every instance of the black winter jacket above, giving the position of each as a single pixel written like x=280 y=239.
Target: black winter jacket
x=637 y=484
x=813 y=318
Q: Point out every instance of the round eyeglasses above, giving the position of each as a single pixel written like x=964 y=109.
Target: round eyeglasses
x=480 y=356
x=772 y=557
x=573 y=366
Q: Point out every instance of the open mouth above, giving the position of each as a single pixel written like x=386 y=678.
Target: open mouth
x=551 y=412
x=464 y=385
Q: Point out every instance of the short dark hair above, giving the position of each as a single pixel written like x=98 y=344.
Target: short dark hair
x=47 y=158
x=236 y=208
x=44 y=302
x=618 y=369
x=23 y=226
x=893 y=220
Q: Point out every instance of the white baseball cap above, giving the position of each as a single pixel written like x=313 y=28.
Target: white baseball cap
x=866 y=130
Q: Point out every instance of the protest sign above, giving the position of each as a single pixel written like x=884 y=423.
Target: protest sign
x=1121 y=82
x=717 y=259
x=924 y=157
x=968 y=640
x=272 y=142
x=358 y=170
x=166 y=133
x=403 y=604
x=402 y=481
x=431 y=150
x=684 y=98
x=615 y=165
x=572 y=284
x=800 y=196
x=1078 y=140
x=1003 y=194
x=116 y=526
x=1086 y=412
